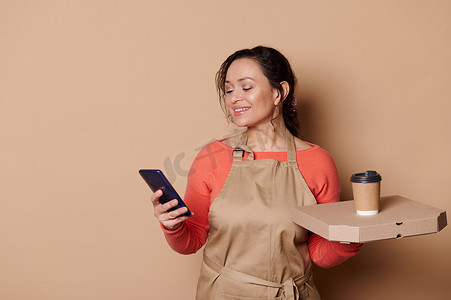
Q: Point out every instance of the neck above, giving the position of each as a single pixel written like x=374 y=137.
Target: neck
x=268 y=137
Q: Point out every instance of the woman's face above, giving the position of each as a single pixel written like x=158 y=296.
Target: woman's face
x=250 y=99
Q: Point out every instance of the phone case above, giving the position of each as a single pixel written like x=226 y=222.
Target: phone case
x=157 y=181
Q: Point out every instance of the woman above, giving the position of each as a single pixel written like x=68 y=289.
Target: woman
x=242 y=189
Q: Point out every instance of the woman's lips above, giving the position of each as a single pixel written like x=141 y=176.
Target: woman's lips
x=239 y=110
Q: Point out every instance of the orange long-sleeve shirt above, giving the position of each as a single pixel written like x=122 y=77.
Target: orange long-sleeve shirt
x=208 y=174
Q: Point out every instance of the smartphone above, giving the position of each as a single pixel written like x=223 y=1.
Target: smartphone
x=157 y=181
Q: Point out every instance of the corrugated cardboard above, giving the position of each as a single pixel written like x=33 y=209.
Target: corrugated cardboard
x=398 y=217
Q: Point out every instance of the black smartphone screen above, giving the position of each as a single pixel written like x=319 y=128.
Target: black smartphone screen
x=157 y=181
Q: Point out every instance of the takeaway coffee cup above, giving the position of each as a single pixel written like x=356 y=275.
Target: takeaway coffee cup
x=366 y=190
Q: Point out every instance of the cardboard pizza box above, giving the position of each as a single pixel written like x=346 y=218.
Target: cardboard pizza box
x=398 y=217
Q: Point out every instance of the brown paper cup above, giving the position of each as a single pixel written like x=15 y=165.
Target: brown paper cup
x=366 y=197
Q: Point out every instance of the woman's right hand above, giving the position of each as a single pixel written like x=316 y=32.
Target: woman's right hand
x=170 y=220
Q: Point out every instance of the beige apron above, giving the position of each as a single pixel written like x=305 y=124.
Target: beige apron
x=254 y=250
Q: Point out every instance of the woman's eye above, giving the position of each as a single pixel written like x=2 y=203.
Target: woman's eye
x=247 y=88
x=229 y=91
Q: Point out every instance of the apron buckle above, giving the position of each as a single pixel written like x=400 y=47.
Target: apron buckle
x=238 y=153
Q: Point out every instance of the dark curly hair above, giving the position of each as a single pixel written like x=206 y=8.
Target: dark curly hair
x=276 y=68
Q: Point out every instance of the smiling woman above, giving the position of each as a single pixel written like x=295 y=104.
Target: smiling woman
x=268 y=69
x=242 y=190
x=250 y=99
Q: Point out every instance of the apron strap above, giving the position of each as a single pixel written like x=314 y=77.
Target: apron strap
x=290 y=290
x=238 y=152
x=289 y=286
x=243 y=138
x=291 y=146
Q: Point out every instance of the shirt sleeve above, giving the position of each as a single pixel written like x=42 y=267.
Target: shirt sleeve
x=322 y=178
x=192 y=234
x=206 y=177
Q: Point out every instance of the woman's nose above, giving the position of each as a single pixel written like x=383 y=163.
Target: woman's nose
x=235 y=97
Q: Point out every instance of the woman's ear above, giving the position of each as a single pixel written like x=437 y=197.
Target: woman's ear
x=285 y=90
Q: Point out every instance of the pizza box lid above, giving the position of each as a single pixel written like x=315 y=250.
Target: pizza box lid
x=398 y=217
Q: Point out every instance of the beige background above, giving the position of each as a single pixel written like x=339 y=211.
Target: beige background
x=92 y=91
